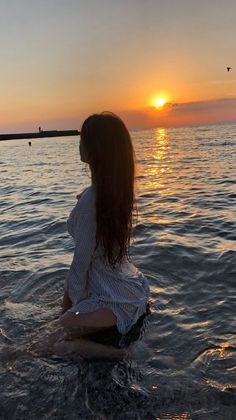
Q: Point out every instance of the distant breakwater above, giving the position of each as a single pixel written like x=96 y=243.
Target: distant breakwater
x=39 y=134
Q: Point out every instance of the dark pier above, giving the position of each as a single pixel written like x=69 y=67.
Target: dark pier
x=39 y=134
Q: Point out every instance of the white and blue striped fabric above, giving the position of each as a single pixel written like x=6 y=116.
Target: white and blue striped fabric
x=91 y=283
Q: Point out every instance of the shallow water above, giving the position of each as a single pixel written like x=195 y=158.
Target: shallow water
x=184 y=242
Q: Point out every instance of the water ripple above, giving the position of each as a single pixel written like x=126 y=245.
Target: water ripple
x=184 y=241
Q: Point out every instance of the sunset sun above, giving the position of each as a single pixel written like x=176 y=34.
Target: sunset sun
x=159 y=102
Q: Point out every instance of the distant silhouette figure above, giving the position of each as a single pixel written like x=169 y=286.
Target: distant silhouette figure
x=40 y=130
x=229 y=68
x=29 y=143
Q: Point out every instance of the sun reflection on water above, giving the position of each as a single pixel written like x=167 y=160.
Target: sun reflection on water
x=182 y=416
x=161 y=141
x=159 y=165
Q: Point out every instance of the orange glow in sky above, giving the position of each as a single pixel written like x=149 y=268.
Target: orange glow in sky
x=152 y=64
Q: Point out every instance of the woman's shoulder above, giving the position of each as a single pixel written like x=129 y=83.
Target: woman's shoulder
x=85 y=206
x=85 y=202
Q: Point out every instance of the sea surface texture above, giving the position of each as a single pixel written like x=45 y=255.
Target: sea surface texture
x=185 y=243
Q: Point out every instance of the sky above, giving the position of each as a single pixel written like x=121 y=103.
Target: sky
x=62 y=60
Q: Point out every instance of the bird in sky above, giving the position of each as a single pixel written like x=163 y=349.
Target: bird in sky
x=229 y=68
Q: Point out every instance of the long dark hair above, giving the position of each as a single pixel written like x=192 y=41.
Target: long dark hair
x=107 y=144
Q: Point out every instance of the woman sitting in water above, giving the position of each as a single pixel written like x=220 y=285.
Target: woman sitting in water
x=102 y=289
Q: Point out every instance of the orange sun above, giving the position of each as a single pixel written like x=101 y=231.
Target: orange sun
x=159 y=102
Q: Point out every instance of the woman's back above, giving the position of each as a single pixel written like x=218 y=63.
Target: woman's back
x=122 y=284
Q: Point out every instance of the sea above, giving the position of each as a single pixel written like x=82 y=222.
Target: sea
x=184 y=241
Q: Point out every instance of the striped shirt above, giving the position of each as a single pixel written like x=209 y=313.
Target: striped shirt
x=91 y=283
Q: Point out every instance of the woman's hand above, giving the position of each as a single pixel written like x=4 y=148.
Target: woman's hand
x=66 y=303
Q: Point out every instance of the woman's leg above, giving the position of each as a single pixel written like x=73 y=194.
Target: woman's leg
x=81 y=324
x=78 y=326
x=90 y=350
x=67 y=335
